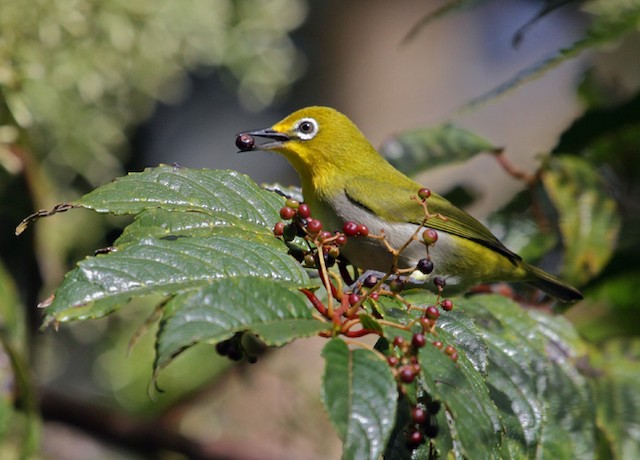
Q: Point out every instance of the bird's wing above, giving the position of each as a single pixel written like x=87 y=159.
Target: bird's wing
x=397 y=206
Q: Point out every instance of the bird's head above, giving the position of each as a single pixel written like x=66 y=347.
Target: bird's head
x=316 y=141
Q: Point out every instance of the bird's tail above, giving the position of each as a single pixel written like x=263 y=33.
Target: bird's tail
x=553 y=286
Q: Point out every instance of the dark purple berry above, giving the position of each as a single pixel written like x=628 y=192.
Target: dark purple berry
x=370 y=281
x=350 y=228
x=425 y=266
x=430 y=430
x=439 y=282
x=222 y=348
x=245 y=142
x=434 y=406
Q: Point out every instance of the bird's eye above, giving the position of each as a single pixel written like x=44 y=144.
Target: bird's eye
x=307 y=128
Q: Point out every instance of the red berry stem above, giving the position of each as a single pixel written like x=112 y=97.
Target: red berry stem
x=315 y=301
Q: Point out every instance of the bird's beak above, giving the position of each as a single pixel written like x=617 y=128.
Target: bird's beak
x=245 y=141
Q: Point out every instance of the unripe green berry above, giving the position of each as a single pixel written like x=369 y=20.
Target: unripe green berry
x=292 y=203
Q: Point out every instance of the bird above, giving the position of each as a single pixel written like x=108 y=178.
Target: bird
x=345 y=179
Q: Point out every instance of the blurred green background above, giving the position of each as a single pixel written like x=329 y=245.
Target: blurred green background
x=92 y=89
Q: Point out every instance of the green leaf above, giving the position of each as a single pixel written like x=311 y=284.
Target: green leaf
x=416 y=150
x=617 y=392
x=360 y=395
x=192 y=227
x=210 y=191
x=588 y=217
x=272 y=309
x=168 y=266
x=471 y=415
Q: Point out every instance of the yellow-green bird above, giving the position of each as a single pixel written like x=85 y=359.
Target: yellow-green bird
x=345 y=179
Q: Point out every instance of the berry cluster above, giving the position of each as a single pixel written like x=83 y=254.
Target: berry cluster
x=423 y=422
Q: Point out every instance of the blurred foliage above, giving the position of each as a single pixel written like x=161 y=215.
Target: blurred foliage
x=74 y=74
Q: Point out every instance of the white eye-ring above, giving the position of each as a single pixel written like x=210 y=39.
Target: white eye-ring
x=307 y=128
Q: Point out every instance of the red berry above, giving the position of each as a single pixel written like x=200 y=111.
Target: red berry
x=324 y=235
x=418 y=340
x=415 y=438
x=454 y=356
x=398 y=341
x=278 y=229
x=438 y=344
x=424 y=193
x=449 y=350
x=363 y=230
x=447 y=305
x=350 y=228
x=432 y=312
x=287 y=213
x=354 y=299
x=430 y=236
x=304 y=211
x=341 y=240
x=407 y=374
x=393 y=361
x=314 y=225
x=374 y=296
x=419 y=415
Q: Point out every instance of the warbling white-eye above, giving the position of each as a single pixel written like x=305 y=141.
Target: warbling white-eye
x=344 y=179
